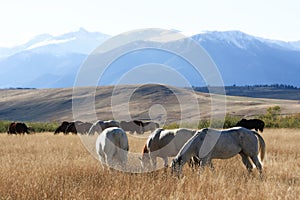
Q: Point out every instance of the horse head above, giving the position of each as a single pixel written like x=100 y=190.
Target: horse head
x=176 y=166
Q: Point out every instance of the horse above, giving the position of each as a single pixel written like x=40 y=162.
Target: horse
x=72 y=127
x=208 y=144
x=112 y=147
x=164 y=143
x=131 y=127
x=138 y=126
x=62 y=128
x=18 y=128
x=83 y=128
x=100 y=125
x=256 y=124
x=12 y=128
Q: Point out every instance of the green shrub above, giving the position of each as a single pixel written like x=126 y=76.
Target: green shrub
x=4 y=126
x=274 y=119
x=171 y=126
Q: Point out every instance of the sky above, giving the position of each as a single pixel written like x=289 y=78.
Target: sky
x=272 y=19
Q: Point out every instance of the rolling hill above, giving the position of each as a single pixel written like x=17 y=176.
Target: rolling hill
x=158 y=102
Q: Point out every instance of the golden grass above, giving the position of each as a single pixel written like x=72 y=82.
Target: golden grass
x=44 y=166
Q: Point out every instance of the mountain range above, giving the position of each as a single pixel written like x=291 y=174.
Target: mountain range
x=53 y=61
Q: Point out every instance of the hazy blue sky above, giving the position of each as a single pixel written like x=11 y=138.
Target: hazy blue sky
x=274 y=19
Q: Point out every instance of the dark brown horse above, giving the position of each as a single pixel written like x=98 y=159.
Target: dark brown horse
x=17 y=128
x=62 y=128
x=256 y=124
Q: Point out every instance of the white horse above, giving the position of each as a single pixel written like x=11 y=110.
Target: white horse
x=112 y=147
x=100 y=125
x=208 y=144
x=164 y=143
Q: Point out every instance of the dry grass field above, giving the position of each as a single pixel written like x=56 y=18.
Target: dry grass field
x=44 y=166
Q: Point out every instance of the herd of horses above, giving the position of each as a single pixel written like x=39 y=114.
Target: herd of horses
x=195 y=147
x=79 y=127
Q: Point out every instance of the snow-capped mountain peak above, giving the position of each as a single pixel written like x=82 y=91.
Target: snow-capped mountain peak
x=53 y=61
x=81 y=41
x=236 y=38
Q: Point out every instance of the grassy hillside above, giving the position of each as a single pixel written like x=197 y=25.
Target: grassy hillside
x=55 y=105
x=44 y=166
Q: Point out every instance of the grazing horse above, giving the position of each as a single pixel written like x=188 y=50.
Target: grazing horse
x=62 y=128
x=72 y=127
x=83 y=128
x=18 y=128
x=138 y=126
x=256 y=124
x=208 y=144
x=12 y=128
x=100 y=125
x=164 y=143
x=112 y=147
x=132 y=126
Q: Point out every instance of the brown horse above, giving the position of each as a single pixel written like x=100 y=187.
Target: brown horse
x=62 y=128
x=17 y=128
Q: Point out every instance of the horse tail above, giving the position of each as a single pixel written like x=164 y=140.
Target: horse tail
x=262 y=145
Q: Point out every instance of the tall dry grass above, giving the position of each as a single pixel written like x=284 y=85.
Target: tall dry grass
x=44 y=166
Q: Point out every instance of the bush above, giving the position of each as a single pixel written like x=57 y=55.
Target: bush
x=4 y=126
x=42 y=126
x=171 y=126
x=274 y=119
x=230 y=121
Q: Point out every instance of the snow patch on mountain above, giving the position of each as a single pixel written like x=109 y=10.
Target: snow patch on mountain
x=49 y=42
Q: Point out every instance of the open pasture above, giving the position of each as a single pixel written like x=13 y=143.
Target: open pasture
x=47 y=166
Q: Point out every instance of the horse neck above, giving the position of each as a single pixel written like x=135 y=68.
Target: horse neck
x=187 y=151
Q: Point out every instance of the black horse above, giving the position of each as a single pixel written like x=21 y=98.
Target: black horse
x=18 y=128
x=256 y=124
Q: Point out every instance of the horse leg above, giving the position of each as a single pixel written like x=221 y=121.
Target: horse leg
x=165 y=162
x=192 y=163
x=123 y=158
x=246 y=162
x=211 y=166
x=257 y=163
x=153 y=161
x=204 y=161
x=110 y=162
x=110 y=157
x=101 y=161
